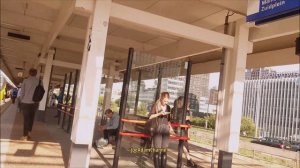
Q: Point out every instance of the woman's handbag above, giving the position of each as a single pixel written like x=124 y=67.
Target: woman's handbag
x=162 y=126
x=150 y=126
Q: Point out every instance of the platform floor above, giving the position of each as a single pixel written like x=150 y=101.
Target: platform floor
x=50 y=145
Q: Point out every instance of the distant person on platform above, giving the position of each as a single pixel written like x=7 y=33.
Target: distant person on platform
x=19 y=98
x=28 y=106
x=14 y=95
x=60 y=100
x=112 y=124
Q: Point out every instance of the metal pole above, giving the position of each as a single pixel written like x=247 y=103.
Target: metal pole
x=124 y=95
x=73 y=101
x=63 y=95
x=257 y=115
x=158 y=83
x=138 y=92
x=67 y=99
x=185 y=102
x=220 y=87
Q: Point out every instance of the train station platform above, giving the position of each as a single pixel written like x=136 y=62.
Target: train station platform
x=50 y=147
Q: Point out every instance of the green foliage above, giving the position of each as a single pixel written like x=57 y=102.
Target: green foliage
x=247 y=127
x=198 y=121
x=142 y=109
x=114 y=106
x=117 y=101
x=100 y=100
x=266 y=157
x=211 y=121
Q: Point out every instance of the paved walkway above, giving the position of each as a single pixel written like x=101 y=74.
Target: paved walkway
x=43 y=151
x=51 y=144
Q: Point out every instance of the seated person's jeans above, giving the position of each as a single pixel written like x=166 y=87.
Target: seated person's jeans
x=109 y=132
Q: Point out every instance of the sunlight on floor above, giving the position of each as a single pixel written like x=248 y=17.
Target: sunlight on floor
x=31 y=154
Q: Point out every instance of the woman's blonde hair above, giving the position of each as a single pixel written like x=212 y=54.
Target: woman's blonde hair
x=157 y=105
x=164 y=95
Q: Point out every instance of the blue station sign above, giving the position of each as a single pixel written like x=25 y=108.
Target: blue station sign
x=262 y=11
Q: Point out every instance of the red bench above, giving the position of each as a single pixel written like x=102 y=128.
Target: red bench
x=142 y=135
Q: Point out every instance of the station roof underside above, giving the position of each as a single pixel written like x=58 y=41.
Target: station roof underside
x=62 y=25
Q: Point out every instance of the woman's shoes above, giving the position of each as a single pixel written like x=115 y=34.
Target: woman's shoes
x=24 y=138
x=190 y=163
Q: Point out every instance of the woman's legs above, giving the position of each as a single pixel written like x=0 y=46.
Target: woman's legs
x=165 y=144
x=186 y=151
x=157 y=142
x=26 y=117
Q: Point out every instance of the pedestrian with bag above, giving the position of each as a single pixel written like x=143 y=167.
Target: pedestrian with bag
x=160 y=116
x=32 y=93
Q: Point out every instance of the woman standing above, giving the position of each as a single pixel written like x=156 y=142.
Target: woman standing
x=177 y=113
x=161 y=114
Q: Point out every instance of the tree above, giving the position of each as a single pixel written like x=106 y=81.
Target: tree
x=114 y=107
x=117 y=101
x=247 y=127
x=142 y=109
x=211 y=121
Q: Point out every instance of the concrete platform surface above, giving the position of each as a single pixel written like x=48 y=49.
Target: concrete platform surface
x=50 y=146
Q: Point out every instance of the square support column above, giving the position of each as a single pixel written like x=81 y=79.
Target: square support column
x=46 y=82
x=231 y=96
x=89 y=85
x=106 y=101
x=108 y=87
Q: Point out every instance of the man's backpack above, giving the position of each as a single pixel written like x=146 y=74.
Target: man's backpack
x=38 y=93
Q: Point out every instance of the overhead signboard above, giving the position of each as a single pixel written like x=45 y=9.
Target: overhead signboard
x=263 y=11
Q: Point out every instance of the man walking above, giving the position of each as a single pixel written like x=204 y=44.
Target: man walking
x=28 y=106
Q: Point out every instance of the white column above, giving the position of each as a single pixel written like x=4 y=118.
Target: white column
x=108 y=87
x=46 y=79
x=89 y=85
x=228 y=129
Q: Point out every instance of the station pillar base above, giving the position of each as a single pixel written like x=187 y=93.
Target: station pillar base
x=225 y=159
x=79 y=156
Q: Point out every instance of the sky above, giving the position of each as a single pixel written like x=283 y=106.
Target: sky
x=214 y=77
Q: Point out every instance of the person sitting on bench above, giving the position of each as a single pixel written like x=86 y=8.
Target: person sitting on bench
x=111 y=127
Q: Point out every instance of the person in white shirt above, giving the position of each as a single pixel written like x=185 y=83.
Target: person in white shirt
x=28 y=106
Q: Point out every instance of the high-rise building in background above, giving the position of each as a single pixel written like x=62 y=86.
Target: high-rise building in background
x=213 y=96
x=199 y=93
x=199 y=85
x=272 y=100
x=175 y=86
